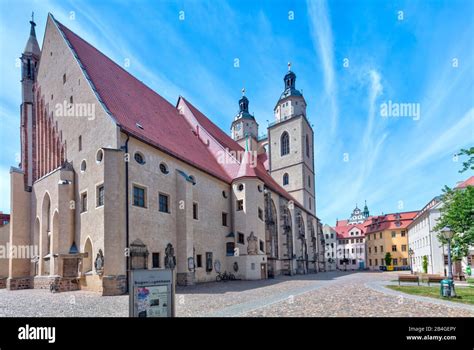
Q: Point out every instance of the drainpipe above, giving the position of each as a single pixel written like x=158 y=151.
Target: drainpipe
x=127 y=221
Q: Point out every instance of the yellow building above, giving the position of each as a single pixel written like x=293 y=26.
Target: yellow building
x=388 y=234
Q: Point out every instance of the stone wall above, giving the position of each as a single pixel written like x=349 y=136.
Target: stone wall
x=114 y=285
x=19 y=283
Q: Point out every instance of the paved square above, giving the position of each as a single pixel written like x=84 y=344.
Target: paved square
x=325 y=295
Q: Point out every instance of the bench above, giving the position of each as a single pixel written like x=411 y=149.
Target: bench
x=434 y=279
x=408 y=278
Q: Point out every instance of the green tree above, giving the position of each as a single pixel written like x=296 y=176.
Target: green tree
x=457 y=213
x=469 y=164
x=388 y=259
x=425 y=264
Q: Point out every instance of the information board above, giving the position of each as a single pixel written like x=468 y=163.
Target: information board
x=152 y=293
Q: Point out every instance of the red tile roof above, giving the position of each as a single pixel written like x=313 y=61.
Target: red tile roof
x=263 y=157
x=468 y=182
x=225 y=140
x=220 y=136
x=343 y=231
x=130 y=102
x=390 y=221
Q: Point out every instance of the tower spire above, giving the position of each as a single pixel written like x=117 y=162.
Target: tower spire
x=32 y=47
x=33 y=25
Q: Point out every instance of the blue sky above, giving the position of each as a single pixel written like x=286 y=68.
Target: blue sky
x=395 y=163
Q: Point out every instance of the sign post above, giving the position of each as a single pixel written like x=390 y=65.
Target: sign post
x=152 y=293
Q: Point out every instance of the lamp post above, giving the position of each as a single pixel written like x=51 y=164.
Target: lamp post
x=411 y=253
x=447 y=234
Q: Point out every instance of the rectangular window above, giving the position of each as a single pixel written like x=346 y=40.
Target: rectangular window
x=353 y=262
x=381 y=249
x=224 y=219
x=100 y=195
x=404 y=248
x=240 y=205
x=370 y=262
x=394 y=234
x=84 y=202
x=395 y=262
x=380 y=234
x=155 y=257
x=195 y=211
x=209 y=261
x=80 y=143
x=164 y=203
x=260 y=214
x=230 y=248
x=139 y=196
x=199 y=260
x=370 y=250
x=241 y=238
x=394 y=248
x=375 y=250
x=404 y=261
x=403 y=233
x=261 y=246
x=376 y=262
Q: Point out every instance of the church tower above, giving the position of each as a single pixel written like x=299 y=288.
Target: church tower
x=244 y=128
x=291 y=145
x=366 y=213
x=29 y=68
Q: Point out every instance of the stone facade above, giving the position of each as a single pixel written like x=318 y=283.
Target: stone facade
x=97 y=191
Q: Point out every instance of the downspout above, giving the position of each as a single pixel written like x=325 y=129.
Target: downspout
x=127 y=221
x=431 y=243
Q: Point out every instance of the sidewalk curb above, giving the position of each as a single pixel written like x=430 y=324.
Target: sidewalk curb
x=380 y=286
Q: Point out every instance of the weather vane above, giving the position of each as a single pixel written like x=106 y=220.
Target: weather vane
x=243 y=91
x=289 y=65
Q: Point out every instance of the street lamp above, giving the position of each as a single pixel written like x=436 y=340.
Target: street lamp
x=447 y=234
x=410 y=254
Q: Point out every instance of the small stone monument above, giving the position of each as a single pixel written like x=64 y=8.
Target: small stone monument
x=252 y=247
x=170 y=259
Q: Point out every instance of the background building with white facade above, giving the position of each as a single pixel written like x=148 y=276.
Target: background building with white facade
x=330 y=243
x=423 y=240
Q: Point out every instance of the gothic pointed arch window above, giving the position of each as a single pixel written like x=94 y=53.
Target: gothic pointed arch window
x=285 y=143
x=286 y=179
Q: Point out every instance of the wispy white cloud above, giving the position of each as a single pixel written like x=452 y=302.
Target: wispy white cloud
x=321 y=35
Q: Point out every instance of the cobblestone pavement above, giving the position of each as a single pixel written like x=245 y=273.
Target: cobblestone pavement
x=324 y=294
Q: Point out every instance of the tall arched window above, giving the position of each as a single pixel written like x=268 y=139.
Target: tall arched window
x=307 y=145
x=285 y=179
x=285 y=143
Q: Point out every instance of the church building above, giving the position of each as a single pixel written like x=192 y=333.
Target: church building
x=114 y=177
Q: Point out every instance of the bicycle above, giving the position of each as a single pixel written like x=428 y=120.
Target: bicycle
x=53 y=287
x=225 y=277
